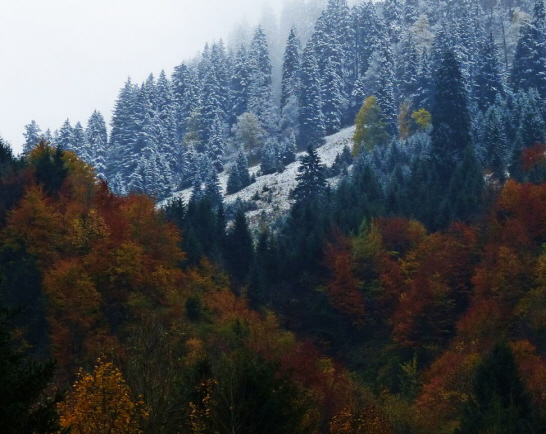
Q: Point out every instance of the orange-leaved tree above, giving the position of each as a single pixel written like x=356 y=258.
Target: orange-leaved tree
x=100 y=403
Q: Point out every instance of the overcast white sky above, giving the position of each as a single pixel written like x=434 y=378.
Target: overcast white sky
x=65 y=58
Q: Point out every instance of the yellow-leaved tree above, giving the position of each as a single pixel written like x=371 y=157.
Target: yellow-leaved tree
x=371 y=128
x=100 y=403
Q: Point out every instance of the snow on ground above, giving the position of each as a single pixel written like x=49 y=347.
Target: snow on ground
x=270 y=192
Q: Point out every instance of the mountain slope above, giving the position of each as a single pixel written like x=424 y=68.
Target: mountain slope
x=270 y=193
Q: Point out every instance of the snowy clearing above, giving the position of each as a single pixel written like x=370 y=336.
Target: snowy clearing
x=270 y=192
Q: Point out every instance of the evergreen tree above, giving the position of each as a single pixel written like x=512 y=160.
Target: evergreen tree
x=51 y=170
x=488 y=81
x=424 y=93
x=260 y=93
x=290 y=85
x=79 y=143
x=312 y=185
x=32 y=136
x=392 y=15
x=494 y=142
x=288 y=149
x=240 y=84
x=407 y=68
x=212 y=99
x=450 y=117
x=166 y=108
x=24 y=408
x=530 y=125
x=368 y=33
x=234 y=181
x=242 y=168
x=331 y=40
x=500 y=402
x=186 y=97
x=239 y=248
x=464 y=199
x=269 y=162
x=312 y=129
x=215 y=147
x=65 y=140
x=529 y=65
x=97 y=139
x=411 y=12
x=212 y=190
x=121 y=159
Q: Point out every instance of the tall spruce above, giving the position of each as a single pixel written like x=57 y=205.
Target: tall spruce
x=291 y=84
x=32 y=136
x=260 y=93
x=450 y=116
x=312 y=128
x=488 y=81
x=499 y=402
x=97 y=139
x=529 y=66
x=312 y=185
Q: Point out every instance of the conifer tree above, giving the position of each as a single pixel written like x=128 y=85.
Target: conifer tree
x=312 y=129
x=65 y=139
x=488 y=82
x=312 y=185
x=529 y=65
x=79 y=143
x=240 y=84
x=211 y=109
x=407 y=68
x=411 y=12
x=122 y=137
x=234 y=180
x=212 y=190
x=242 y=168
x=269 y=162
x=166 y=109
x=464 y=196
x=368 y=33
x=32 y=136
x=392 y=15
x=97 y=138
x=424 y=83
x=288 y=149
x=24 y=408
x=239 y=248
x=450 y=117
x=185 y=90
x=215 y=147
x=494 y=142
x=260 y=93
x=290 y=85
x=499 y=402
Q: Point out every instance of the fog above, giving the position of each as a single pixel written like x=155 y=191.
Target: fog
x=63 y=59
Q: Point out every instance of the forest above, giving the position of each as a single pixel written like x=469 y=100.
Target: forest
x=408 y=297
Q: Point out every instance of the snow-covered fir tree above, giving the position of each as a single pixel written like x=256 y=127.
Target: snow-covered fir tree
x=291 y=84
x=65 y=138
x=312 y=128
x=97 y=139
x=32 y=136
x=488 y=82
x=529 y=66
x=311 y=178
x=260 y=93
x=79 y=143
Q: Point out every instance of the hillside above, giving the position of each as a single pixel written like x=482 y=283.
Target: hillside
x=270 y=193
